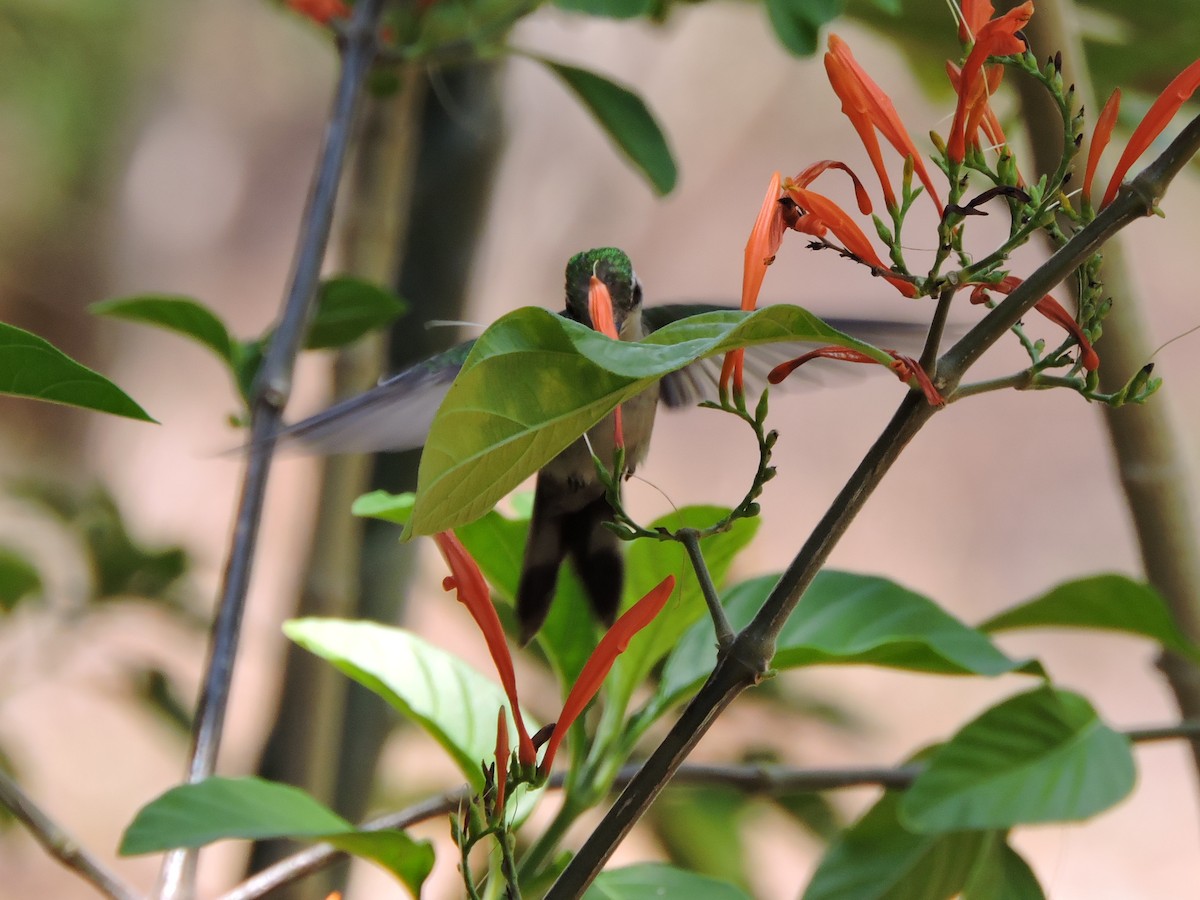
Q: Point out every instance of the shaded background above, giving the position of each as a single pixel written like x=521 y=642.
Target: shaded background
x=167 y=148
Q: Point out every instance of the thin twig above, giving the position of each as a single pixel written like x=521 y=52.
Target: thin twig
x=690 y=538
x=752 y=778
x=270 y=396
x=59 y=844
x=754 y=645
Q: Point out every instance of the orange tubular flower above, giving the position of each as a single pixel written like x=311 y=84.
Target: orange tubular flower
x=906 y=368
x=321 y=11
x=473 y=593
x=1160 y=113
x=867 y=107
x=601 y=310
x=1100 y=138
x=821 y=213
x=761 y=247
x=1052 y=310
x=501 y=762
x=990 y=122
x=975 y=14
x=997 y=37
x=596 y=669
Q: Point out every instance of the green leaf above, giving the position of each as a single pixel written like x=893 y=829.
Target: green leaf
x=18 y=579
x=624 y=116
x=534 y=382
x=389 y=507
x=843 y=618
x=609 y=9
x=1000 y=873
x=797 y=23
x=179 y=314
x=1106 y=602
x=451 y=701
x=193 y=815
x=348 y=308
x=35 y=368
x=1041 y=756
x=877 y=858
x=657 y=880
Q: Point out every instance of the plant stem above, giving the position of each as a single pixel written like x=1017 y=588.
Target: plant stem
x=751 y=778
x=59 y=844
x=690 y=538
x=176 y=881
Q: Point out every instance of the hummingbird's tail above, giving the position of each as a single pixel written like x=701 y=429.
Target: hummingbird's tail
x=580 y=534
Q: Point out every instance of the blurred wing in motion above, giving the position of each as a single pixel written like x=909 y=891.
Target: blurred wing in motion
x=394 y=415
x=697 y=383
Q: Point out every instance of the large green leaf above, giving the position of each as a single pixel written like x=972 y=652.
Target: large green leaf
x=534 y=382
x=454 y=703
x=843 y=618
x=193 y=815
x=1107 y=602
x=35 y=368
x=797 y=23
x=1041 y=756
x=877 y=858
x=624 y=116
x=348 y=308
x=179 y=314
x=657 y=880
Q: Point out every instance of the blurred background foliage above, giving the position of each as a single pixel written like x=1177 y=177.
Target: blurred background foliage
x=82 y=82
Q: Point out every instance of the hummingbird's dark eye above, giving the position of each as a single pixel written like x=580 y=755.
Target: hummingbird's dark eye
x=637 y=292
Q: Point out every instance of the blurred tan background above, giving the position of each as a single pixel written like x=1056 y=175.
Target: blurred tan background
x=194 y=186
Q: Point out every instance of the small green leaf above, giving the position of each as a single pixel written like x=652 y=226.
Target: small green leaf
x=179 y=314
x=348 y=308
x=35 y=368
x=877 y=858
x=193 y=815
x=18 y=579
x=624 y=116
x=534 y=382
x=609 y=9
x=657 y=880
x=451 y=701
x=389 y=507
x=843 y=618
x=1041 y=756
x=1107 y=602
x=797 y=23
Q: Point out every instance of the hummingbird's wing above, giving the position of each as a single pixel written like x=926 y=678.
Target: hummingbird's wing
x=698 y=382
x=394 y=415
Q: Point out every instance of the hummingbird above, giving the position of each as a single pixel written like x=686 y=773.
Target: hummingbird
x=570 y=507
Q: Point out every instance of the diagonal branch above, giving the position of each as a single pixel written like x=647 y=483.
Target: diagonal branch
x=753 y=648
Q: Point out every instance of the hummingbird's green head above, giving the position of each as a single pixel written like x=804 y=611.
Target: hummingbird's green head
x=612 y=267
